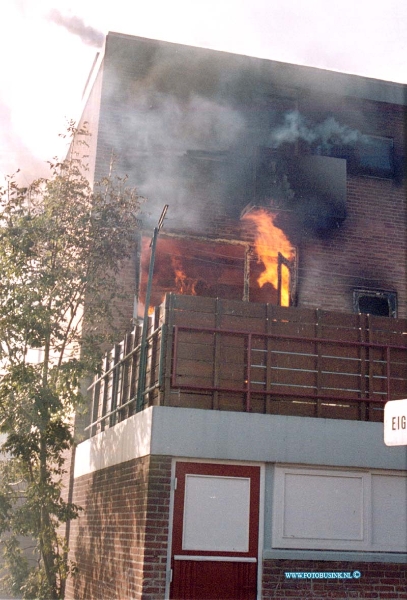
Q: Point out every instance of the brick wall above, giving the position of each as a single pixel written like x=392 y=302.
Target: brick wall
x=368 y=251
x=99 y=160
x=378 y=580
x=120 y=541
x=123 y=305
x=90 y=120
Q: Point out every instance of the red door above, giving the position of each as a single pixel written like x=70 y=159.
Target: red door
x=215 y=532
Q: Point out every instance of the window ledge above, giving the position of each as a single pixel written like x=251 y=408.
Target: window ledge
x=379 y=557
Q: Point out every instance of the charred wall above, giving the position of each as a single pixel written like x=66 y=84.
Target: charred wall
x=369 y=251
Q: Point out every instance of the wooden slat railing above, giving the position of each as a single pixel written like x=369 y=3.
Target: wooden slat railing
x=228 y=355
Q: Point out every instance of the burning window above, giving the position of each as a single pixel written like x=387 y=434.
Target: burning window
x=372 y=302
x=275 y=258
x=194 y=267
x=261 y=269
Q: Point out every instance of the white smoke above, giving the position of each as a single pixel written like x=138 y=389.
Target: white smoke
x=76 y=26
x=153 y=135
x=15 y=156
x=198 y=123
x=326 y=134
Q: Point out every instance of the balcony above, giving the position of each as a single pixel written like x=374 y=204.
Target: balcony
x=228 y=355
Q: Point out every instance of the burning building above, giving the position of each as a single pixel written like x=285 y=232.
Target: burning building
x=225 y=441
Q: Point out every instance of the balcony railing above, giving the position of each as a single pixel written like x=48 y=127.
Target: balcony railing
x=227 y=355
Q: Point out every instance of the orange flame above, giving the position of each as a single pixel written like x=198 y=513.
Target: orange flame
x=185 y=284
x=269 y=242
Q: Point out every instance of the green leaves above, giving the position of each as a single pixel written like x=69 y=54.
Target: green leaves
x=61 y=247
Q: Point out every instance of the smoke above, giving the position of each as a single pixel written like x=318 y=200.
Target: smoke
x=171 y=131
x=15 y=156
x=198 y=124
x=76 y=26
x=325 y=134
x=187 y=129
x=178 y=146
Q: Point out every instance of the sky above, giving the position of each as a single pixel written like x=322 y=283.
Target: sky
x=47 y=49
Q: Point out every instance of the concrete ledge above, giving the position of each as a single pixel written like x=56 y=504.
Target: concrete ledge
x=207 y=434
x=225 y=435
x=126 y=440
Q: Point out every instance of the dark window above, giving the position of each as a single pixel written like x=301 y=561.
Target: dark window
x=378 y=303
x=371 y=156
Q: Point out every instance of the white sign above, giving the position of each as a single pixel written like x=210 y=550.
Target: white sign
x=395 y=423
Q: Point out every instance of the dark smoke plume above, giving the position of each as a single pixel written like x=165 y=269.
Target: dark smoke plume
x=75 y=25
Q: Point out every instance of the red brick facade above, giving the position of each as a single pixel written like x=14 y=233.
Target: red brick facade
x=368 y=251
x=120 y=541
x=377 y=580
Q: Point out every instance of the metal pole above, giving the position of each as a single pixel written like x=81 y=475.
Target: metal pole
x=143 y=343
x=246 y=275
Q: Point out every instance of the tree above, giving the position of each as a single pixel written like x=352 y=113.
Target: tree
x=61 y=247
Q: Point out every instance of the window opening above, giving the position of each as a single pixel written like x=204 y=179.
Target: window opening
x=371 y=156
x=372 y=302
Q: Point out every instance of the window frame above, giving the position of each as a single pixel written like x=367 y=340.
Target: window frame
x=390 y=296
x=369 y=543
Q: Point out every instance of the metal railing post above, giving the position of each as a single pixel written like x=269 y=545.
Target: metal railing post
x=143 y=343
